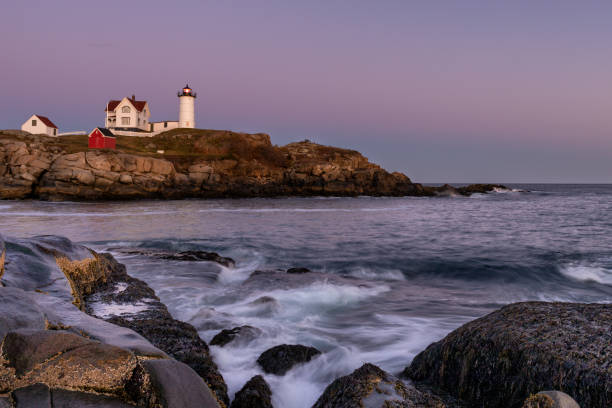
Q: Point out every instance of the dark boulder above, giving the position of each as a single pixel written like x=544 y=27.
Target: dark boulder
x=371 y=387
x=502 y=358
x=175 y=384
x=189 y=256
x=242 y=335
x=280 y=359
x=480 y=188
x=298 y=270
x=32 y=396
x=255 y=394
x=201 y=256
x=4 y=402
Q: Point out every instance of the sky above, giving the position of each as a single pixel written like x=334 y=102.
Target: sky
x=444 y=91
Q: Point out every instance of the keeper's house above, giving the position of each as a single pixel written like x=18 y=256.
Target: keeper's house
x=38 y=124
x=102 y=138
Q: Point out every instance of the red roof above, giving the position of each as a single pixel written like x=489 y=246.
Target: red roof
x=139 y=105
x=46 y=121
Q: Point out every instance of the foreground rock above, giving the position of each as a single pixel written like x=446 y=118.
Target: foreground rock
x=212 y=164
x=280 y=359
x=114 y=289
x=502 y=358
x=51 y=309
x=49 y=368
x=255 y=394
x=371 y=387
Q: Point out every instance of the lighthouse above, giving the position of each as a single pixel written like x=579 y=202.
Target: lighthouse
x=186 y=107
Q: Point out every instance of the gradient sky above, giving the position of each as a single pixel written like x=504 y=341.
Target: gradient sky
x=477 y=91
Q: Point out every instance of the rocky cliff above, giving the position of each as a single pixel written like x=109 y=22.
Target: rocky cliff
x=194 y=163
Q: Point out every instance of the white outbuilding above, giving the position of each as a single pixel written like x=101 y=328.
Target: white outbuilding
x=39 y=124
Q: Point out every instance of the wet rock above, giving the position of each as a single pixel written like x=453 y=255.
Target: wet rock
x=4 y=402
x=193 y=256
x=280 y=359
x=502 y=358
x=81 y=364
x=550 y=399
x=17 y=311
x=298 y=270
x=32 y=396
x=480 y=188
x=25 y=348
x=74 y=399
x=255 y=394
x=242 y=335
x=200 y=256
x=371 y=387
x=178 y=339
x=174 y=384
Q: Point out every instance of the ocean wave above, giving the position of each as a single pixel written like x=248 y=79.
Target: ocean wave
x=378 y=274
x=587 y=273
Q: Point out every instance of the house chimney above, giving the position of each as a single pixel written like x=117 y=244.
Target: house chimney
x=133 y=97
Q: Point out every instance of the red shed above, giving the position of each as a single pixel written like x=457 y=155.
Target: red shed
x=102 y=138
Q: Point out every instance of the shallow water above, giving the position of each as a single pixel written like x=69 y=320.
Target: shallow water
x=395 y=273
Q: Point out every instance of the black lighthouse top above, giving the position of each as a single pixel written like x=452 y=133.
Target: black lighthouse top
x=187 y=91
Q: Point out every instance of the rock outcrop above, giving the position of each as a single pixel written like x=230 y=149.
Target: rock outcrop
x=502 y=358
x=205 y=164
x=280 y=359
x=239 y=335
x=56 y=309
x=371 y=387
x=255 y=394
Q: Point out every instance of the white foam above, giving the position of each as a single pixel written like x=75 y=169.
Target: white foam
x=120 y=287
x=107 y=310
x=239 y=273
x=384 y=274
x=588 y=273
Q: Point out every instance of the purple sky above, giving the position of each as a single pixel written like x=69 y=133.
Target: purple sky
x=441 y=90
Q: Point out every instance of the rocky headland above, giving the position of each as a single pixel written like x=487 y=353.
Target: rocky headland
x=194 y=163
x=76 y=330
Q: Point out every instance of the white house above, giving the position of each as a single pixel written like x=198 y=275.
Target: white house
x=158 y=127
x=38 y=124
x=128 y=114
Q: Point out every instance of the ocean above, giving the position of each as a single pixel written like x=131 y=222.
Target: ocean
x=392 y=274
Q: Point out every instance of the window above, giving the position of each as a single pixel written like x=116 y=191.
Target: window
x=125 y=121
x=165 y=124
x=126 y=109
x=54 y=132
x=33 y=122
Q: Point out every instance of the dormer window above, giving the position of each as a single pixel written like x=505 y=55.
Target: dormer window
x=126 y=109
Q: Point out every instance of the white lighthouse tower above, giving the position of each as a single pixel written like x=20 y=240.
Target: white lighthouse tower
x=186 y=107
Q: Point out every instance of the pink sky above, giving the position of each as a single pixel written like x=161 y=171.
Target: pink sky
x=439 y=90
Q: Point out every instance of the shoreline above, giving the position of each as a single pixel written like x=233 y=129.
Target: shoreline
x=96 y=282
